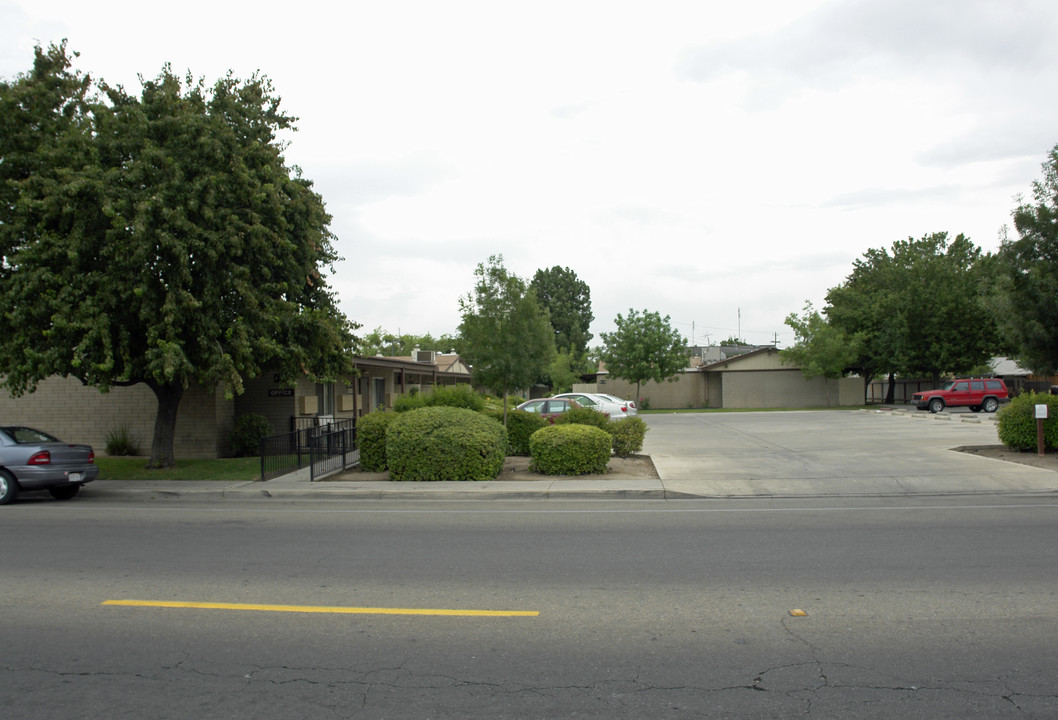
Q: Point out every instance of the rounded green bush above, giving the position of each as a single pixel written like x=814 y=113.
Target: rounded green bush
x=628 y=434
x=462 y=396
x=371 y=439
x=570 y=450
x=245 y=438
x=409 y=401
x=445 y=443
x=1017 y=422
x=520 y=427
x=583 y=416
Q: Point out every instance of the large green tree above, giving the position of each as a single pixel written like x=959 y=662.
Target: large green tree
x=1027 y=283
x=819 y=349
x=158 y=239
x=644 y=347
x=917 y=308
x=507 y=337
x=568 y=302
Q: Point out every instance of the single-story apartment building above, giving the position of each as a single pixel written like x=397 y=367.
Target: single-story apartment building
x=74 y=412
x=755 y=379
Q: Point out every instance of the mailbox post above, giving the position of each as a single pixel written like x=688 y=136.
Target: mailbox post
x=1041 y=415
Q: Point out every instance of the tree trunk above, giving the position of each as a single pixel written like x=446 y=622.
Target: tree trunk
x=504 y=408
x=890 y=395
x=168 y=396
x=867 y=377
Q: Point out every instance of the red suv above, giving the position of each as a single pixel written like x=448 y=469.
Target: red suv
x=975 y=393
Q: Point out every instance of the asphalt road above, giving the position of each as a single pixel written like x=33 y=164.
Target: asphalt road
x=922 y=607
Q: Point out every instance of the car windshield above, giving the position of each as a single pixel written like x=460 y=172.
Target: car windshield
x=949 y=386
x=28 y=436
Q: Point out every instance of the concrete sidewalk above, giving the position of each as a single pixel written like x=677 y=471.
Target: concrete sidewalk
x=712 y=455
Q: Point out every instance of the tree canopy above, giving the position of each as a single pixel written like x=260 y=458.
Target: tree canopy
x=567 y=299
x=158 y=239
x=507 y=336
x=819 y=349
x=402 y=344
x=644 y=347
x=917 y=309
x=1027 y=286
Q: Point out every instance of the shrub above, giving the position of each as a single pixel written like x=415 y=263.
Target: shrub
x=570 y=450
x=371 y=439
x=119 y=442
x=445 y=443
x=410 y=401
x=245 y=438
x=628 y=434
x=584 y=416
x=1017 y=422
x=520 y=427
x=461 y=396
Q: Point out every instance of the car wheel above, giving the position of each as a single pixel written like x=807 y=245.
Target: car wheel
x=936 y=405
x=64 y=492
x=975 y=408
x=991 y=405
x=8 y=487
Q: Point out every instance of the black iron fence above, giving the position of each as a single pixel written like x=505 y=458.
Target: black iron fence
x=323 y=448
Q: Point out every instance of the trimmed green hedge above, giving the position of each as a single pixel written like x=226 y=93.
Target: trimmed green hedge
x=520 y=427
x=628 y=434
x=409 y=401
x=1017 y=422
x=445 y=443
x=371 y=439
x=570 y=450
x=462 y=396
x=583 y=416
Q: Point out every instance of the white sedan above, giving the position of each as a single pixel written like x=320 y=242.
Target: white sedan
x=628 y=407
x=608 y=404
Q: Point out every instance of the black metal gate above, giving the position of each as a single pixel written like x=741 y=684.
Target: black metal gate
x=332 y=450
x=325 y=448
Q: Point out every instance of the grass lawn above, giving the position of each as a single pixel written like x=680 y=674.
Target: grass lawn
x=134 y=468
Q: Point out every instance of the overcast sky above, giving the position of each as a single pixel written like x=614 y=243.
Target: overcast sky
x=718 y=162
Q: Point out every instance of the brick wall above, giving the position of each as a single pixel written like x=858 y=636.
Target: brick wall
x=75 y=413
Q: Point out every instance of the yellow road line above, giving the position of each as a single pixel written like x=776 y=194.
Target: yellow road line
x=321 y=609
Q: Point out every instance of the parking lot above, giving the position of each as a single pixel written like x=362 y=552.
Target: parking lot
x=811 y=453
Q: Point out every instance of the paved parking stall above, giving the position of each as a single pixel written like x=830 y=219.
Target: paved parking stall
x=807 y=453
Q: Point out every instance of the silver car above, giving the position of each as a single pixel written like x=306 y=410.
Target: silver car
x=34 y=460
x=603 y=403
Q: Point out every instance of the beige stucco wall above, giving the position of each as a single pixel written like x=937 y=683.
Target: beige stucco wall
x=758 y=381
x=688 y=390
x=76 y=413
x=787 y=389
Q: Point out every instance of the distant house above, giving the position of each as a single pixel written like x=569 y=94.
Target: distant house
x=78 y=413
x=756 y=378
